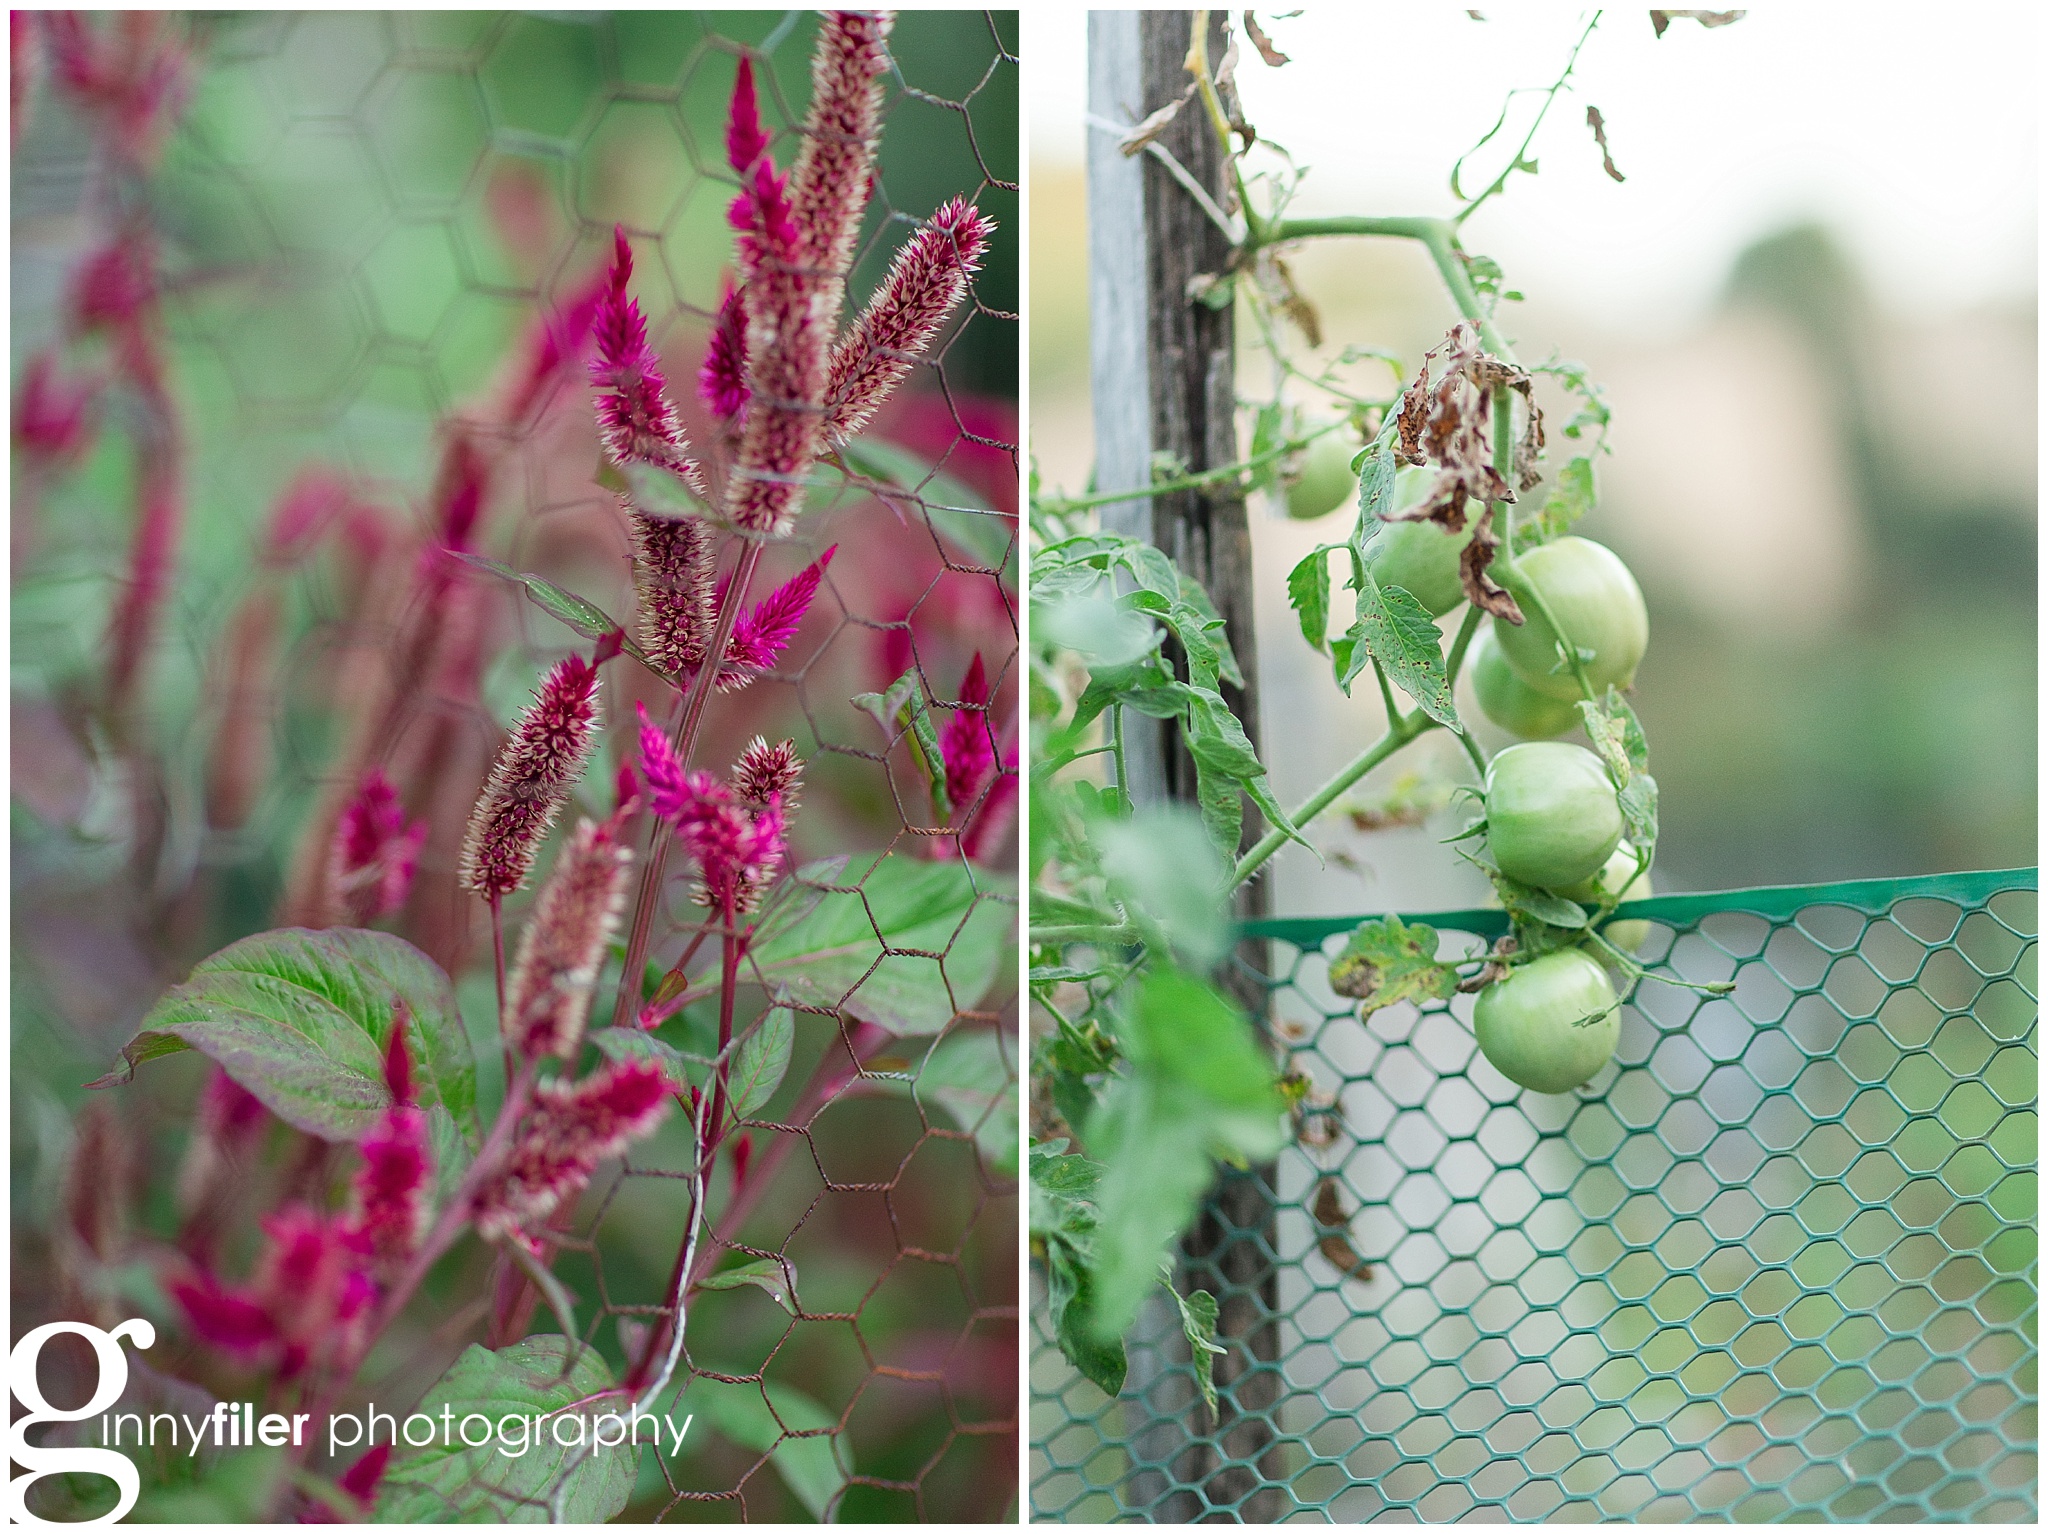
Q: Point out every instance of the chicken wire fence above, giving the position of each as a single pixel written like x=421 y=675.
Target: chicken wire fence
x=354 y=255
x=1777 y=1260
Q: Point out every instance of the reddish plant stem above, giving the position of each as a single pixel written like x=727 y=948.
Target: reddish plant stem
x=498 y=964
x=684 y=742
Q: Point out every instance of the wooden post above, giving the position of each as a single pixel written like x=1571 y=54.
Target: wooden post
x=1152 y=344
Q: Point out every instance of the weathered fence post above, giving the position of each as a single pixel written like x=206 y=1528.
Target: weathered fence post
x=1163 y=373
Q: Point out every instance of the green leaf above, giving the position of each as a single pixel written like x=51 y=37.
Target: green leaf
x=761 y=1061
x=1221 y=749
x=546 y=1376
x=631 y=1044
x=1639 y=810
x=972 y=1075
x=1570 y=498
x=302 y=1018
x=1402 y=636
x=1200 y=1086
x=764 y=1273
x=1268 y=430
x=1308 y=593
x=1388 y=960
x=1198 y=1324
x=956 y=512
x=1160 y=863
x=829 y=952
x=1063 y=1225
x=658 y=492
x=903 y=710
x=761 y=1417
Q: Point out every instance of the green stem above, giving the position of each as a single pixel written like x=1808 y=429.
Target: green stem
x=1521 y=155
x=1402 y=731
x=1228 y=471
x=1123 y=771
x=1460 y=645
x=1086 y=933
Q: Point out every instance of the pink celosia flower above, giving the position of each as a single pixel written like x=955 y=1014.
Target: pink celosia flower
x=301 y=1308
x=738 y=850
x=132 y=72
x=635 y=416
x=925 y=283
x=672 y=572
x=459 y=490
x=764 y=631
x=375 y=853
x=53 y=419
x=722 y=380
x=745 y=137
x=161 y=516
x=574 y=1126
x=229 y=1113
x=766 y=772
x=536 y=767
x=223 y=1317
x=796 y=240
x=982 y=789
x=997 y=805
x=114 y=285
x=548 y=998
x=308 y=506
x=554 y=344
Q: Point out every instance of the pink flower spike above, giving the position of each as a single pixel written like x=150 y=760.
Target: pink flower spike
x=635 y=416
x=308 y=506
x=548 y=998
x=53 y=418
x=536 y=767
x=765 y=630
x=669 y=787
x=745 y=138
x=625 y=792
x=361 y=1479
x=965 y=743
x=766 y=772
x=575 y=1126
x=375 y=853
x=390 y=1190
x=224 y=1317
x=722 y=380
x=992 y=818
x=398 y=1061
x=925 y=284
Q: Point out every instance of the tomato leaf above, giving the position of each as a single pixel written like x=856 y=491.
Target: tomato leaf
x=761 y=1061
x=545 y=1376
x=1198 y=1325
x=1388 y=960
x=1397 y=631
x=1571 y=497
x=302 y=1019
x=1639 y=810
x=1063 y=1227
x=1308 y=593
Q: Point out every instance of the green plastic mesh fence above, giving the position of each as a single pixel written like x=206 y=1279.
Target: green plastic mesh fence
x=1778 y=1260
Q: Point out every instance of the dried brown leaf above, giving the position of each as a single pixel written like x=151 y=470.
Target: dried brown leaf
x=1495 y=969
x=1599 y=126
x=1156 y=124
x=1483 y=591
x=1335 y=1225
x=1297 y=308
x=1263 y=43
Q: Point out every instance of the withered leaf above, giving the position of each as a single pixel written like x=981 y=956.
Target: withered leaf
x=1599 y=126
x=1481 y=588
x=1708 y=19
x=1297 y=308
x=1263 y=43
x=1156 y=124
x=1495 y=968
x=1334 y=1224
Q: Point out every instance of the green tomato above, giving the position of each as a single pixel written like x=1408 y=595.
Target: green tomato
x=1552 y=818
x=1628 y=936
x=1552 y=1023
x=1591 y=593
x=1509 y=701
x=1419 y=557
x=1326 y=479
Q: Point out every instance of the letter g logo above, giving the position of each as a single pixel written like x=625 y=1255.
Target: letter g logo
x=21 y=1379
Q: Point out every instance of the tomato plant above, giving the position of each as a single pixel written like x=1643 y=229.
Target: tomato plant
x=1588 y=593
x=1552 y=817
x=1511 y=702
x=1325 y=481
x=1419 y=557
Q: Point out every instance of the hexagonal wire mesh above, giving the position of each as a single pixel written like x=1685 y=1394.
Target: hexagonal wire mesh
x=366 y=232
x=1777 y=1260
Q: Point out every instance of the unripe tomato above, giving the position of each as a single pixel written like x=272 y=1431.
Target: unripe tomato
x=1326 y=479
x=1551 y=1024
x=1419 y=557
x=1552 y=818
x=1509 y=701
x=1628 y=936
x=1591 y=593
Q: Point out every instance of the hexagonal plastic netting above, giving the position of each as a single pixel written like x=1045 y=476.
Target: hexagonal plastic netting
x=1777 y=1260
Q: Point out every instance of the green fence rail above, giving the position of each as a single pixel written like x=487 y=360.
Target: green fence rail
x=1777 y=1260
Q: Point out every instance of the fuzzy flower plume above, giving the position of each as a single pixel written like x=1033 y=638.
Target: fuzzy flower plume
x=925 y=284
x=672 y=570
x=53 y=419
x=796 y=240
x=766 y=772
x=738 y=849
x=389 y=1194
x=635 y=416
x=574 y=1126
x=302 y=1307
x=553 y=345
x=375 y=853
x=536 y=767
x=722 y=379
x=548 y=998
x=764 y=631
x=982 y=785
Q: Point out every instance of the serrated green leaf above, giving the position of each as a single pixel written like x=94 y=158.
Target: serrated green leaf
x=764 y=1273
x=302 y=1018
x=545 y=1376
x=1159 y=863
x=1387 y=960
x=1198 y=1325
x=761 y=1061
x=1570 y=498
x=1639 y=809
x=1402 y=636
x=1308 y=593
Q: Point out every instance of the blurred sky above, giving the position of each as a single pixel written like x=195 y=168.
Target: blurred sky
x=1910 y=130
